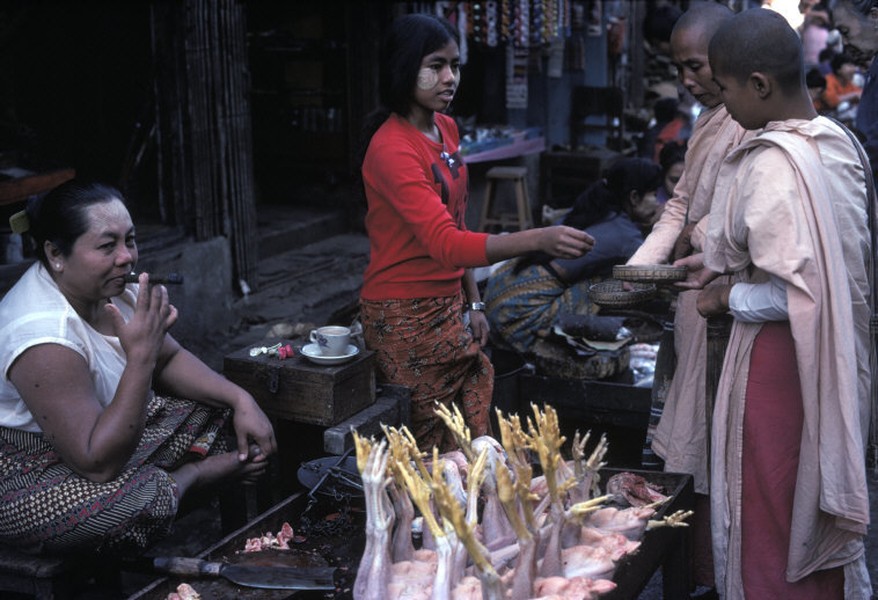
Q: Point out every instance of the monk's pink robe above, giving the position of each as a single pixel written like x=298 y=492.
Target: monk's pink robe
x=681 y=436
x=791 y=202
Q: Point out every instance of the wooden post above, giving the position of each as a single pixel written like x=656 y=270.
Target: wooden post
x=204 y=127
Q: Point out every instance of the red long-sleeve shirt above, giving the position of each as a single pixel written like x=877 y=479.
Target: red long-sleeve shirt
x=418 y=240
x=835 y=89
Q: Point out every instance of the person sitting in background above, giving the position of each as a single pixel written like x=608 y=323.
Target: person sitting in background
x=672 y=160
x=825 y=60
x=814 y=33
x=106 y=423
x=840 y=86
x=671 y=125
x=657 y=25
x=525 y=295
x=816 y=84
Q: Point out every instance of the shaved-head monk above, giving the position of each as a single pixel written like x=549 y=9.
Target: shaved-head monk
x=789 y=499
x=679 y=425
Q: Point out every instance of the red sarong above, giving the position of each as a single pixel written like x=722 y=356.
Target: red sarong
x=773 y=420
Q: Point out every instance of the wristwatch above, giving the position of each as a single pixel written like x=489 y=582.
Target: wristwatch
x=479 y=306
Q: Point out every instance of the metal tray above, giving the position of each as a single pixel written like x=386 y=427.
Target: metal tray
x=332 y=476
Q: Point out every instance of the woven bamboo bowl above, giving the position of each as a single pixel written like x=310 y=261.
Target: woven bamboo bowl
x=650 y=273
x=610 y=293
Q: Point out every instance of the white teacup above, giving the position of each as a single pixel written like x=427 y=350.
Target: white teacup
x=332 y=340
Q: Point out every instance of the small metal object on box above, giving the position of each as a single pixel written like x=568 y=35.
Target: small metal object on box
x=299 y=390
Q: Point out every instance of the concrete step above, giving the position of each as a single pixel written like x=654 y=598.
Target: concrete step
x=296 y=290
x=285 y=228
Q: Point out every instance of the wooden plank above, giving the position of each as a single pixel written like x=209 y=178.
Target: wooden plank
x=513 y=150
x=392 y=407
x=21 y=188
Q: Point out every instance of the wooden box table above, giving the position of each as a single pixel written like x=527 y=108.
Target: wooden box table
x=308 y=405
x=295 y=389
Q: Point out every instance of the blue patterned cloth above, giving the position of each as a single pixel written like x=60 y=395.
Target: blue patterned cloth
x=522 y=306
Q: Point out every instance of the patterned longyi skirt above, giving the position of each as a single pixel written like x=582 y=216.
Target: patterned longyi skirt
x=45 y=507
x=423 y=344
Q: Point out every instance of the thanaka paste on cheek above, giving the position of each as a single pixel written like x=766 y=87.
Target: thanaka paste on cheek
x=427 y=79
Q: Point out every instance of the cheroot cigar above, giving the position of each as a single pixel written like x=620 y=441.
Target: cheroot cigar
x=173 y=278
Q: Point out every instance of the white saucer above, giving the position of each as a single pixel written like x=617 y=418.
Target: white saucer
x=312 y=353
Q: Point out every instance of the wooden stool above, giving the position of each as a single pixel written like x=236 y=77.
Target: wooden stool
x=520 y=219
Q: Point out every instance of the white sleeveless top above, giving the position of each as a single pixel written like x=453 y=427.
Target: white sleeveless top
x=35 y=312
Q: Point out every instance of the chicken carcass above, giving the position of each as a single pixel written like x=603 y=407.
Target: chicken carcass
x=588 y=561
x=268 y=540
x=495 y=525
x=373 y=576
x=469 y=588
x=413 y=579
x=630 y=522
x=616 y=543
x=184 y=592
x=577 y=588
x=634 y=489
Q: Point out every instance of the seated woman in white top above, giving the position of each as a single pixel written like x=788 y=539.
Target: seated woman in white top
x=106 y=422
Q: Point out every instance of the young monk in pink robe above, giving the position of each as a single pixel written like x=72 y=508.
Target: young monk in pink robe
x=680 y=437
x=788 y=490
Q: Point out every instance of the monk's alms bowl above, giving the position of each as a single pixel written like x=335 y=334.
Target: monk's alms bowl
x=650 y=273
x=612 y=294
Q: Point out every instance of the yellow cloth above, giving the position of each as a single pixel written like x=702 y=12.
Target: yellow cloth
x=791 y=202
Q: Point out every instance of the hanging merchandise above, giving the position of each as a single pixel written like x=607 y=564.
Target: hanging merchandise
x=555 y=67
x=567 y=18
x=595 y=18
x=505 y=20
x=616 y=36
x=516 y=76
x=536 y=23
x=522 y=23
x=574 y=52
x=462 y=32
x=477 y=15
x=577 y=20
x=549 y=23
x=492 y=35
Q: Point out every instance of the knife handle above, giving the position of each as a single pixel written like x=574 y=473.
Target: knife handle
x=191 y=567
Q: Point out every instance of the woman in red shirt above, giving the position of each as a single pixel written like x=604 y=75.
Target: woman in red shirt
x=418 y=283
